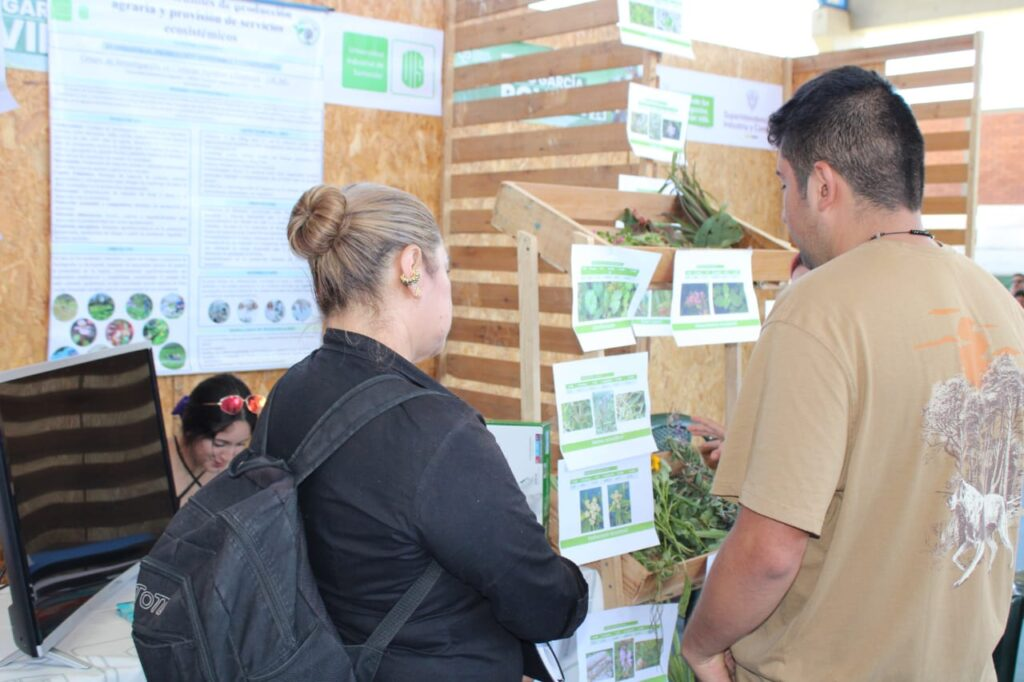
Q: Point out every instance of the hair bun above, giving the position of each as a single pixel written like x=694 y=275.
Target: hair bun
x=318 y=220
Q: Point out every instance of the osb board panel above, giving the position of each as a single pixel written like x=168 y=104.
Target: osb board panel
x=402 y=150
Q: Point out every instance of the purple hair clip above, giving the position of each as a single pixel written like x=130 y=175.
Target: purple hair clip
x=180 y=407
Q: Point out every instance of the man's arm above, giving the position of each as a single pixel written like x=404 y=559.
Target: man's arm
x=753 y=571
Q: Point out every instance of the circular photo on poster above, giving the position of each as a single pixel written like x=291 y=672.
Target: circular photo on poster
x=101 y=306
x=247 y=310
x=156 y=331
x=219 y=312
x=301 y=310
x=65 y=307
x=63 y=352
x=275 y=311
x=172 y=356
x=83 y=332
x=120 y=332
x=139 y=306
x=172 y=306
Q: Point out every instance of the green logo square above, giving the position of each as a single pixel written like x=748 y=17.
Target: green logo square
x=60 y=10
x=364 y=63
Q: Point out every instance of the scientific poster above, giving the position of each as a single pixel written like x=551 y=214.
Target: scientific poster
x=604 y=409
x=383 y=65
x=607 y=285
x=713 y=297
x=658 y=25
x=606 y=510
x=629 y=643
x=657 y=122
x=181 y=137
x=724 y=110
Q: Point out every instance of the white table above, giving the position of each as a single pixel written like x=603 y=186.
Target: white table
x=102 y=640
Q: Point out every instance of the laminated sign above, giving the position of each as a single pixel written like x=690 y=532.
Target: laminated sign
x=657 y=121
x=527 y=449
x=605 y=511
x=603 y=409
x=630 y=643
x=713 y=297
x=608 y=284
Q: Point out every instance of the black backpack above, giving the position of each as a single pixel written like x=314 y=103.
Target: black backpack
x=227 y=593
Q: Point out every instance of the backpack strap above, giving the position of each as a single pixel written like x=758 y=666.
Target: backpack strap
x=359 y=405
x=382 y=635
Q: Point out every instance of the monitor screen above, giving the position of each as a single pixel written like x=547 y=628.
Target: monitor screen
x=86 y=480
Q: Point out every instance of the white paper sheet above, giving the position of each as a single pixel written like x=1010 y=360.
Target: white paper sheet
x=527 y=449
x=713 y=297
x=654 y=314
x=7 y=102
x=607 y=285
x=606 y=510
x=181 y=137
x=383 y=65
x=603 y=409
x=724 y=110
x=656 y=122
x=642 y=183
x=629 y=643
x=659 y=25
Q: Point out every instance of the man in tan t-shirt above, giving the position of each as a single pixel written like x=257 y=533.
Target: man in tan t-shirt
x=876 y=446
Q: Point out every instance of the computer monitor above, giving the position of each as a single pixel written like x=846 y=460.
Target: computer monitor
x=85 y=483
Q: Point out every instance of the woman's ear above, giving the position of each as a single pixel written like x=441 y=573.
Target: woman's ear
x=410 y=269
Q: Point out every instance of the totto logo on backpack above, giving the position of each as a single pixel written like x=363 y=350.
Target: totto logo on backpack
x=227 y=593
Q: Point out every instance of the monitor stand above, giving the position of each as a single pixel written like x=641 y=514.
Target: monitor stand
x=53 y=658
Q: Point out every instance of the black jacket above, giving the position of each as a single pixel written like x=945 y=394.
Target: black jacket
x=426 y=479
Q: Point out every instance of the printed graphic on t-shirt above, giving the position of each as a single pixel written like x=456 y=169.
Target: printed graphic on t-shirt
x=976 y=419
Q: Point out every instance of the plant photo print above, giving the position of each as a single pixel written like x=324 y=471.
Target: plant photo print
x=619 y=511
x=648 y=654
x=599 y=666
x=624 y=667
x=693 y=300
x=577 y=415
x=604 y=300
x=591 y=510
x=729 y=297
x=604 y=412
x=630 y=406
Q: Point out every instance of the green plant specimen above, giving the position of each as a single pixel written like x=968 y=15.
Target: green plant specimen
x=591 y=513
x=604 y=300
x=642 y=14
x=729 y=297
x=648 y=653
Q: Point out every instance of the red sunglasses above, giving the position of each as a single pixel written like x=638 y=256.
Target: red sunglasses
x=233 y=404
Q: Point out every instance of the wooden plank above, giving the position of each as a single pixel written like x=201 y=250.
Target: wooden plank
x=571 y=60
x=947 y=172
x=927 y=79
x=506 y=334
x=487 y=370
x=974 y=152
x=944 y=205
x=489 y=405
x=610 y=137
x=516 y=209
x=529 y=326
x=869 y=55
x=506 y=297
x=487 y=184
x=490 y=258
x=953 y=141
x=593 y=204
x=605 y=97
x=470 y=222
x=951 y=237
x=536 y=25
x=472 y=9
x=933 y=110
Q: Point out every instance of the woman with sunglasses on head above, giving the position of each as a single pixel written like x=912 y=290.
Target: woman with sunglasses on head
x=216 y=421
x=423 y=481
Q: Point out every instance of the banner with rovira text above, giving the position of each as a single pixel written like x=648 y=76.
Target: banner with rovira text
x=181 y=136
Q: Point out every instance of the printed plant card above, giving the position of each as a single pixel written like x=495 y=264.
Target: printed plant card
x=527 y=448
x=607 y=285
x=603 y=409
x=713 y=297
x=657 y=122
x=606 y=510
x=654 y=314
x=655 y=25
x=642 y=183
x=629 y=643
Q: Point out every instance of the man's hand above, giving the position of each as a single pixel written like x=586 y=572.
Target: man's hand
x=713 y=433
x=718 y=668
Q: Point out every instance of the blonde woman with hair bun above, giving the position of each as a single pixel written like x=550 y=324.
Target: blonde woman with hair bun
x=425 y=480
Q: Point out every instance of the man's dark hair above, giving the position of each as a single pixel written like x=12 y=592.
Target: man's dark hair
x=852 y=119
x=201 y=419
